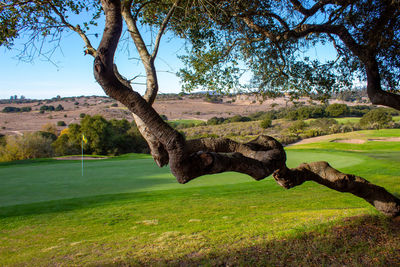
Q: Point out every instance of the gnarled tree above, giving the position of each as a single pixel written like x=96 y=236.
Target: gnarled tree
x=267 y=35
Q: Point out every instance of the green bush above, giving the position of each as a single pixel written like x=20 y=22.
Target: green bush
x=47 y=108
x=59 y=108
x=15 y=109
x=11 y=109
x=216 y=121
x=376 y=118
x=61 y=123
x=337 y=110
x=266 y=123
x=238 y=118
x=65 y=146
x=297 y=127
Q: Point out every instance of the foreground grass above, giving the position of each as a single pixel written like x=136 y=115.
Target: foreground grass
x=138 y=218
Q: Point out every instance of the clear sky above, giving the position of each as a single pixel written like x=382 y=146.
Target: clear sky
x=72 y=74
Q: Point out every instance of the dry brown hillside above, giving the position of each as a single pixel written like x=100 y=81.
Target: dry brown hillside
x=177 y=108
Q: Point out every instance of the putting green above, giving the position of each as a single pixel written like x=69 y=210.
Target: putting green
x=54 y=180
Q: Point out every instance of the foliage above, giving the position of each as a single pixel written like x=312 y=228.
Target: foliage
x=215 y=121
x=64 y=146
x=59 y=108
x=103 y=137
x=47 y=108
x=377 y=118
x=28 y=146
x=270 y=37
x=61 y=123
x=15 y=109
x=337 y=110
x=306 y=112
x=266 y=123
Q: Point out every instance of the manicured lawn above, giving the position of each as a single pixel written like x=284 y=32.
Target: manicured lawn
x=127 y=211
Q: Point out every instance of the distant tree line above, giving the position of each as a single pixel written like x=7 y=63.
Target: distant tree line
x=15 y=109
x=303 y=113
x=104 y=137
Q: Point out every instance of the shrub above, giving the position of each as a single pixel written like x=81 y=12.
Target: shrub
x=238 y=118
x=47 y=108
x=61 y=123
x=11 y=109
x=114 y=105
x=59 y=108
x=297 y=127
x=64 y=146
x=266 y=123
x=215 y=121
x=28 y=146
x=337 y=110
x=376 y=118
x=323 y=123
x=82 y=115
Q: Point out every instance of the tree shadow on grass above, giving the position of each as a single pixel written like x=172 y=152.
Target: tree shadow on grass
x=358 y=241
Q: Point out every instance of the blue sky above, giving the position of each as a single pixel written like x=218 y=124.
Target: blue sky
x=72 y=74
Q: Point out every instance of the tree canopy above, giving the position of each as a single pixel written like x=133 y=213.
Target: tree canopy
x=269 y=37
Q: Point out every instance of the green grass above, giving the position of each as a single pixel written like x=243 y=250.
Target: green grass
x=127 y=211
x=355 y=119
x=185 y=123
x=347 y=119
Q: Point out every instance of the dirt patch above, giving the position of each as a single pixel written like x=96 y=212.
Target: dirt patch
x=79 y=158
x=349 y=141
x=389 y=139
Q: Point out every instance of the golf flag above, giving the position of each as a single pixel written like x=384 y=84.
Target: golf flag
x=84 y=139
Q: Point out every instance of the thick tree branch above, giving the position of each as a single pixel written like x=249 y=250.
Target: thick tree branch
x=374 y=88
x=264 y=156
x=258 y=158
x=322 y=173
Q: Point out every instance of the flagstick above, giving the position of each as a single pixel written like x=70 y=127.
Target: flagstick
x=82 y=156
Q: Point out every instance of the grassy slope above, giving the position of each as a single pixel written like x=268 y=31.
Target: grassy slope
x=206 y=221
x=356 y=120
